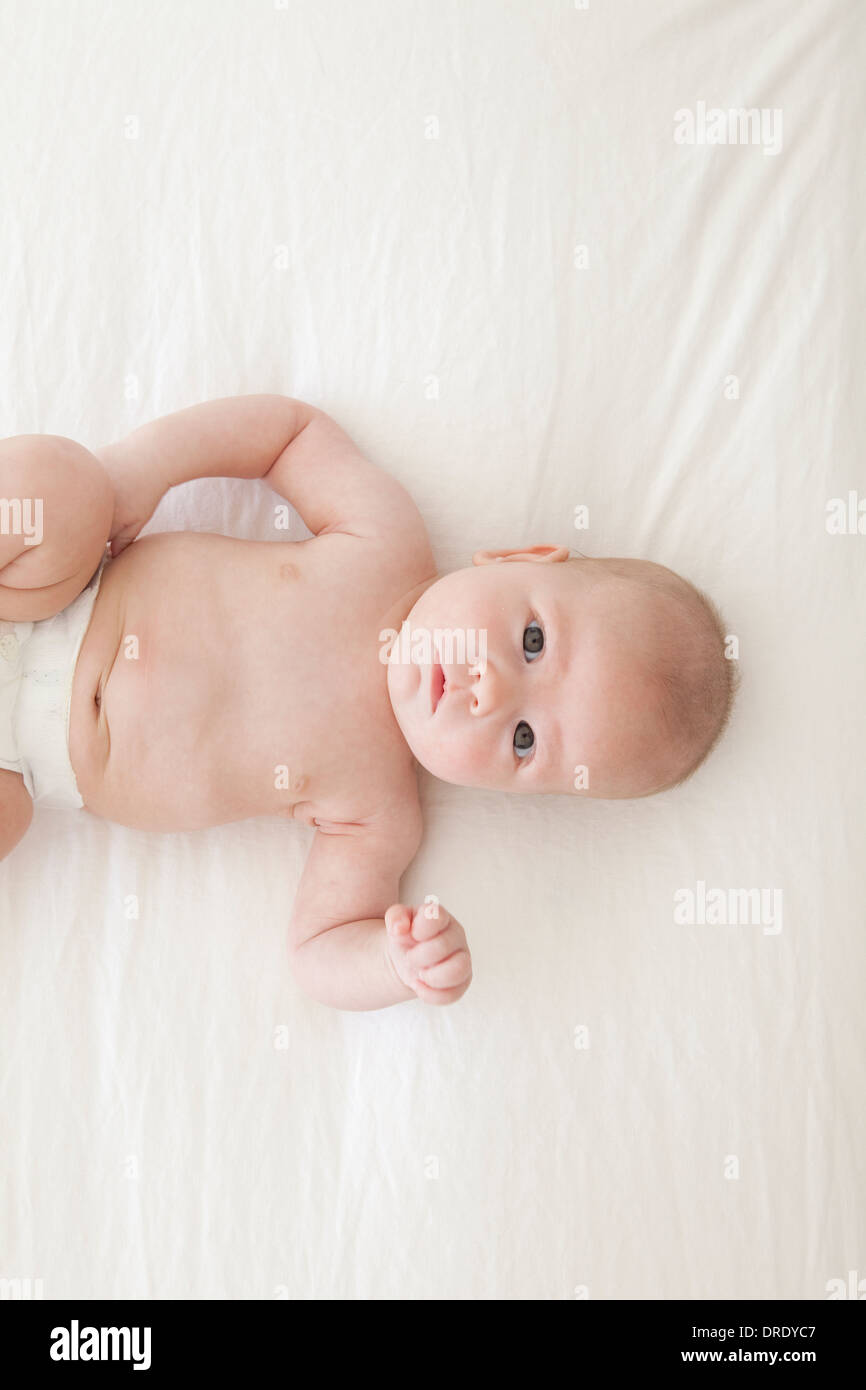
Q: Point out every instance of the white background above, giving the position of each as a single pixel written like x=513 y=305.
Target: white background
x=282 y=220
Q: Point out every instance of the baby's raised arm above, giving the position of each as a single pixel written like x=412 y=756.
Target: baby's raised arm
x=296 y=448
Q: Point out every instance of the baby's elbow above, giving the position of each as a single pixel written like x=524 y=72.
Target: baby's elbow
x=306 y=969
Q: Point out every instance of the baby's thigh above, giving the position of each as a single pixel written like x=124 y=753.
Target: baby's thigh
x=16 y=810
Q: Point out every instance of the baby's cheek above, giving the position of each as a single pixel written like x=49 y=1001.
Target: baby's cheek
x=475 y=757
x=462 y=760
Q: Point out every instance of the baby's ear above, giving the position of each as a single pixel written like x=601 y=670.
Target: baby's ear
x=546 y=554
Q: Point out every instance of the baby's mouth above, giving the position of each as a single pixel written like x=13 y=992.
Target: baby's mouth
x=437 y=685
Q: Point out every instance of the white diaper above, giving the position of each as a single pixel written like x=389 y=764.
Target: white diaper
x=37 y=663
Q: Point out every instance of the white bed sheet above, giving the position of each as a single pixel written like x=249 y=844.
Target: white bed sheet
x=376 y=206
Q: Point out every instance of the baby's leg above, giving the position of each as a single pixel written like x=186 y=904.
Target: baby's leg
x=16 y=810
x=56 y=507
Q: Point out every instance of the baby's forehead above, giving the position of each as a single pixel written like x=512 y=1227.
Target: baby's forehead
x=617 y=607
x=637 y=598
x=619 y=639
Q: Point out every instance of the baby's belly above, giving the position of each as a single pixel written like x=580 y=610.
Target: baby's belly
x=163 y=732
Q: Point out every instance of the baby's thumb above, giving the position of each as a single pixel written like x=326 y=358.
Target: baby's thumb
x=121 y=541
x=398 y=920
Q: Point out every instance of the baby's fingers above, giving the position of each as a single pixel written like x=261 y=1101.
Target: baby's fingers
x=456 y=970
x=427 y=995
x=429 y=921
x=123 y=539
x=437 y=948
x=398 y=921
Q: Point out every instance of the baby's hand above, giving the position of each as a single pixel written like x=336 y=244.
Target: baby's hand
x=428 y=951
x=138 y=490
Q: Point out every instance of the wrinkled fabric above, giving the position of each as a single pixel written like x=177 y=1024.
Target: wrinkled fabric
x=469 y=233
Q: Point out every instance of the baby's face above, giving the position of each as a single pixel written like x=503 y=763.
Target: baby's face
x=558 y=701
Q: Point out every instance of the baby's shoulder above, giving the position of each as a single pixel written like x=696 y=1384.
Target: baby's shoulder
x=386 y=812
x=394 y=544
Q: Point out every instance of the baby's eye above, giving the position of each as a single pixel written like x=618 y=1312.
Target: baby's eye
x=524 y=739
x=533 y=641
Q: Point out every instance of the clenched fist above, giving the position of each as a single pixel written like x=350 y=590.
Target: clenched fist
x=428 y=952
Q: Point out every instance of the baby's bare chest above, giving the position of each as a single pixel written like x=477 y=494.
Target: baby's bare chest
x=237 y=680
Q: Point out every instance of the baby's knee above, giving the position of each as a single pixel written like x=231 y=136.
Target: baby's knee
x=16 y=810
x=59 y=504
x=87 y=491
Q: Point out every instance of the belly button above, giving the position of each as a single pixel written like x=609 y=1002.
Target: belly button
x=288 y=570
x=299 y=782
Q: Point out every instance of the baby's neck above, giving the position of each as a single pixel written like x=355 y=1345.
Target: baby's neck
x=394 y=616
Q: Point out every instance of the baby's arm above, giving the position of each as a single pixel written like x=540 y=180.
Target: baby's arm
x=296 y=448
x=337 y=937
x=353 y=945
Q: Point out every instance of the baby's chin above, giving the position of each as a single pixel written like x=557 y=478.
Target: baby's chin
x=428 y=756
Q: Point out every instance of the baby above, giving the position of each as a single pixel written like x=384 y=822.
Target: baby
x=191 y=679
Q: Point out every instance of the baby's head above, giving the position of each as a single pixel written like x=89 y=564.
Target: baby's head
x=535 y=672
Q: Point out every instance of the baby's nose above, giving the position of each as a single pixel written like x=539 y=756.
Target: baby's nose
x=485 y=688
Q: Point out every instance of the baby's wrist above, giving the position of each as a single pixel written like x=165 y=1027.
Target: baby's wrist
x=404 y=990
